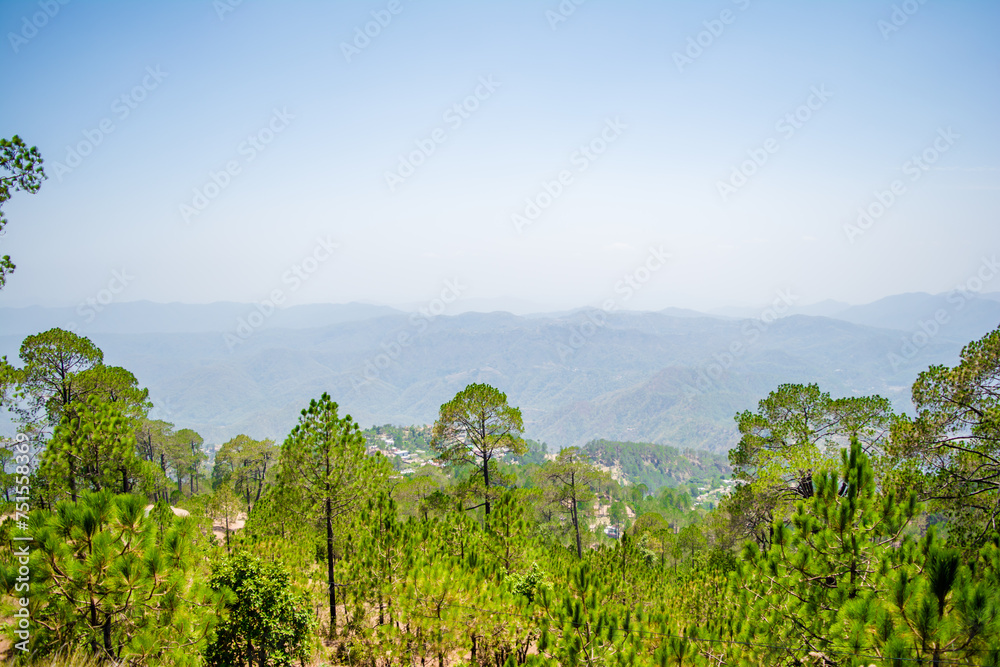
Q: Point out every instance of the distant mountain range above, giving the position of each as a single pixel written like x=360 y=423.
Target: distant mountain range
x=673 y=377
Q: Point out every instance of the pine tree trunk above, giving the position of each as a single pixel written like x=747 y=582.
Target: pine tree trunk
x=72 y=480
x=329 y=569
x=576 y=527
x=108 y=649
x=486 y=482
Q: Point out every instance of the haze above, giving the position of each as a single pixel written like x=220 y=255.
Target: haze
x=534 y=153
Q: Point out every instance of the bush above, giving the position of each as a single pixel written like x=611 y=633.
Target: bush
x=268 y=622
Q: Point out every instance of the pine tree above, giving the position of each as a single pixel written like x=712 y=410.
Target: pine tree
x=325 y=470
x=103 y=579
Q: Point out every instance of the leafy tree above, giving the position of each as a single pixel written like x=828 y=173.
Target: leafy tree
x=154 y=438
x=580 y=628
x=419 y=493
x=20 y=169
x=799 y=431
x=325 y=470
x=953 y=444
x=49 y=379
x=101 y=580
x=268 y=622
x=190 y=457
x=117 y=385
x=571 y=479
x=93 y=448
x=691 y=539
x=224 y=506
x=617 y=513
x=474 y=428
x=60 y=368
x=246 y=462
x=750 y=514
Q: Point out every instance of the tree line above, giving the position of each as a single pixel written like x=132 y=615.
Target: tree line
x=855 y=535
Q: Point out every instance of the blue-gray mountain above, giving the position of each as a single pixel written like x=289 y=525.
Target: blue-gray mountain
x=673 y=378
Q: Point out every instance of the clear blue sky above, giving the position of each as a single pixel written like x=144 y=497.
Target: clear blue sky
x=679 y=129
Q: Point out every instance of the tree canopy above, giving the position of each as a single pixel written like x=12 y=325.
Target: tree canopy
x=20 y=169
x=476 y=427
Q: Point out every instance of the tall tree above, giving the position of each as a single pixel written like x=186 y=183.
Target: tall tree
x=798 y=431
x=93 y=448
x=246 y=462
x=476 y=427
x=49 y=379
x=20 y=169
x=953 y=443
x=192 y=441
x=60 y=367
x=571 y=479
x=117 y=385
x=153 y=441
x=326 y=474
x=224 y=506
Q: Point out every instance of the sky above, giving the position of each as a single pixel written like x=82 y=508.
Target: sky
x=550 y=154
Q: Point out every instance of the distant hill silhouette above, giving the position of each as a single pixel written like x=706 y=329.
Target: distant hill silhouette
x=671 y=378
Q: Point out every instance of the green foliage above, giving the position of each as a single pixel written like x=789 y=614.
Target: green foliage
x=474 y=428
x=657 y=466
x=799 y=431
x=61 y=368
x=103 y=577
x=839 y=568
x=245 y=463
x=268 y=623
x=93 y=448
x=324 y=474
x=951 y=448
x=569 y=483
x=20 y=169
x=534 y=454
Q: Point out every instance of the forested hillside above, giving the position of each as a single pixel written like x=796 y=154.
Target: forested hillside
x=655 y=377
x=852 y=534
x=657 y=466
